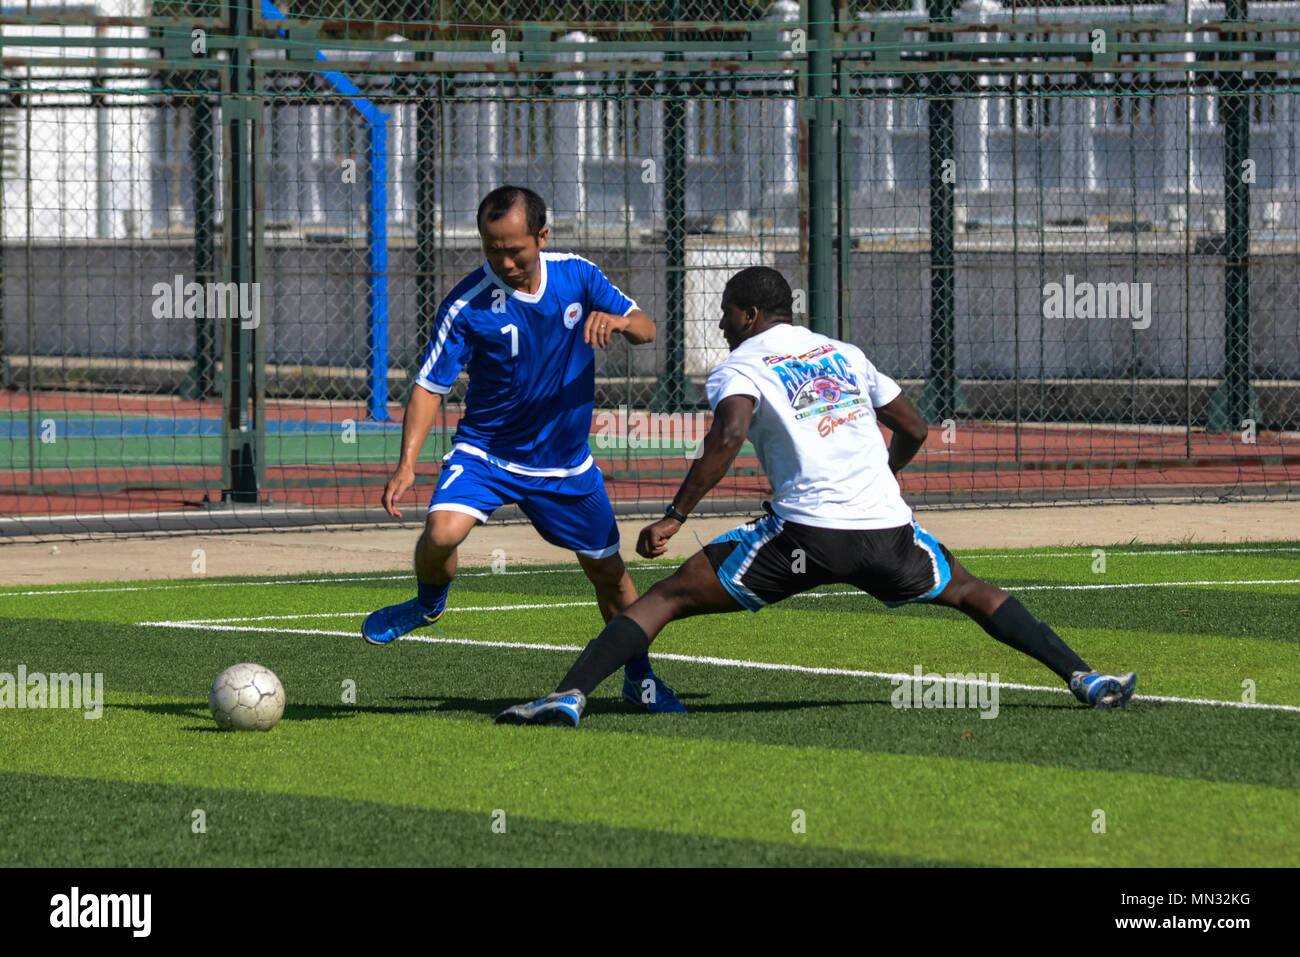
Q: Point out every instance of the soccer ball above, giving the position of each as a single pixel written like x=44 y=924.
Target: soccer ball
x=246 y=697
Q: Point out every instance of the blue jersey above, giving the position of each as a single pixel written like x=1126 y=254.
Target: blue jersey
x=532 y=380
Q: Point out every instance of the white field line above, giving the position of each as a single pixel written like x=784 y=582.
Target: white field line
x=360 y=614
x=406 y=576
x=807 y=594
x=1086 y=552
x=1257 y=581
x=630 y=567
x=709 y=660
x=1019 y=588
x=122 y=588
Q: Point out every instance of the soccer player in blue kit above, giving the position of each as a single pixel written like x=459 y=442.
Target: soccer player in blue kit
x=525 y=323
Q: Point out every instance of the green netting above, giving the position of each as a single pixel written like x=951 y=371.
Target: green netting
x=1071 y=233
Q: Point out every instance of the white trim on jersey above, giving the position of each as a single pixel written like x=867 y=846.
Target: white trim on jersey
x=522 y=469
x=530 y=297
x=436 y=350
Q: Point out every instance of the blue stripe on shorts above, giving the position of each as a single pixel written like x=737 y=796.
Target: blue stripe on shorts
x=751 y=538
x=943 y=571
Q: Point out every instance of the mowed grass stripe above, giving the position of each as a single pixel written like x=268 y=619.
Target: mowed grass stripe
x=46 y=820
x=1200 y=666
x=1278 y=677
x=1259 y=611
x=1172 y=665
x=1244 y=610
x=1158 y=563
x=947 y=809
x=1173 y=644
x=726 y=703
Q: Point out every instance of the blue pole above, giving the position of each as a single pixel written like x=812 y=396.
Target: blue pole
x=377 y=239
x=376 y=227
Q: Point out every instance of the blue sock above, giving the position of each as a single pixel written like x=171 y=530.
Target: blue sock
x=431 y=596
x=639 y=667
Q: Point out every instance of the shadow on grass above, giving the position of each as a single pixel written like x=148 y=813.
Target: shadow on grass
x=621 y=708
x=756 y=707
x=292 y=712
x=491 y=707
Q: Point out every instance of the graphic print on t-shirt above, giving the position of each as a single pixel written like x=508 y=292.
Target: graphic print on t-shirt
x=813 y=427
x=822 y=379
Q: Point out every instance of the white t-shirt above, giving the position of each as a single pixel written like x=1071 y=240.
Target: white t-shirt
x=814 y=427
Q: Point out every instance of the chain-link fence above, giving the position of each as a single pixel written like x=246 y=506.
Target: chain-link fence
x=1070 y=232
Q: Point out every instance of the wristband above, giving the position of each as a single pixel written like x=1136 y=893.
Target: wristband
x=671 y=512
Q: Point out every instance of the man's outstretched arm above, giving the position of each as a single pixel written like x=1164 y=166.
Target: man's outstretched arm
x=731 y=422
x=909 y=430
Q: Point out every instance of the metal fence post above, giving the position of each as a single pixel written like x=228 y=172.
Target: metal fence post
x=940 y=398
x=1235 y=400
x=675 y=391
x=843 y=209
x=6 y=374
x=426 y=221
x=822 y=162
x=240 y=445
x=199 y=382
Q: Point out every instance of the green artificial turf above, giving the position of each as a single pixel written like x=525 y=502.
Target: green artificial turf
x=773 y=765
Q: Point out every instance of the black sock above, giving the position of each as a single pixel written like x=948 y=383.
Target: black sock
x=1013 y=625
x=606 y=653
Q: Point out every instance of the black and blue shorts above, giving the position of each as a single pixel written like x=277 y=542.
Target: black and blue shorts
x=769 y=559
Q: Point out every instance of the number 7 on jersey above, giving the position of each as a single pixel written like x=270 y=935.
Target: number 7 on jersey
x=513 y=332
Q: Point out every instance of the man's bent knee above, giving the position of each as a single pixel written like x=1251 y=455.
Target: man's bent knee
x=606 y=574
x=444 y=530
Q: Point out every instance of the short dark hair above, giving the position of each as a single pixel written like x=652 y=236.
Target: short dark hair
x=763 y=288
x=501 y=200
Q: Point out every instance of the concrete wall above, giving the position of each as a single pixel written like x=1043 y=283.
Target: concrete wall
x=96 y=300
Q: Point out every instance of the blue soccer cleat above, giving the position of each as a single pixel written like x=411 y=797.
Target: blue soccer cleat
x=652 y=693
x=1103 y=691
x=559 y=707
x=389 y=624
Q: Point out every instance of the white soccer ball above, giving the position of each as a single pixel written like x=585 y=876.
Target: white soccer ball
x=246 y=697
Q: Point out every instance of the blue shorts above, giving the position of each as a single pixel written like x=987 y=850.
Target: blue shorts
x=571 y=511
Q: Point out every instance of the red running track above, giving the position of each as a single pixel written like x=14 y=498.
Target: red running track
x=971 y=461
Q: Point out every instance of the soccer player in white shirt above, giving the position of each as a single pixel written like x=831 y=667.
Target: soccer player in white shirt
x=810 y=406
